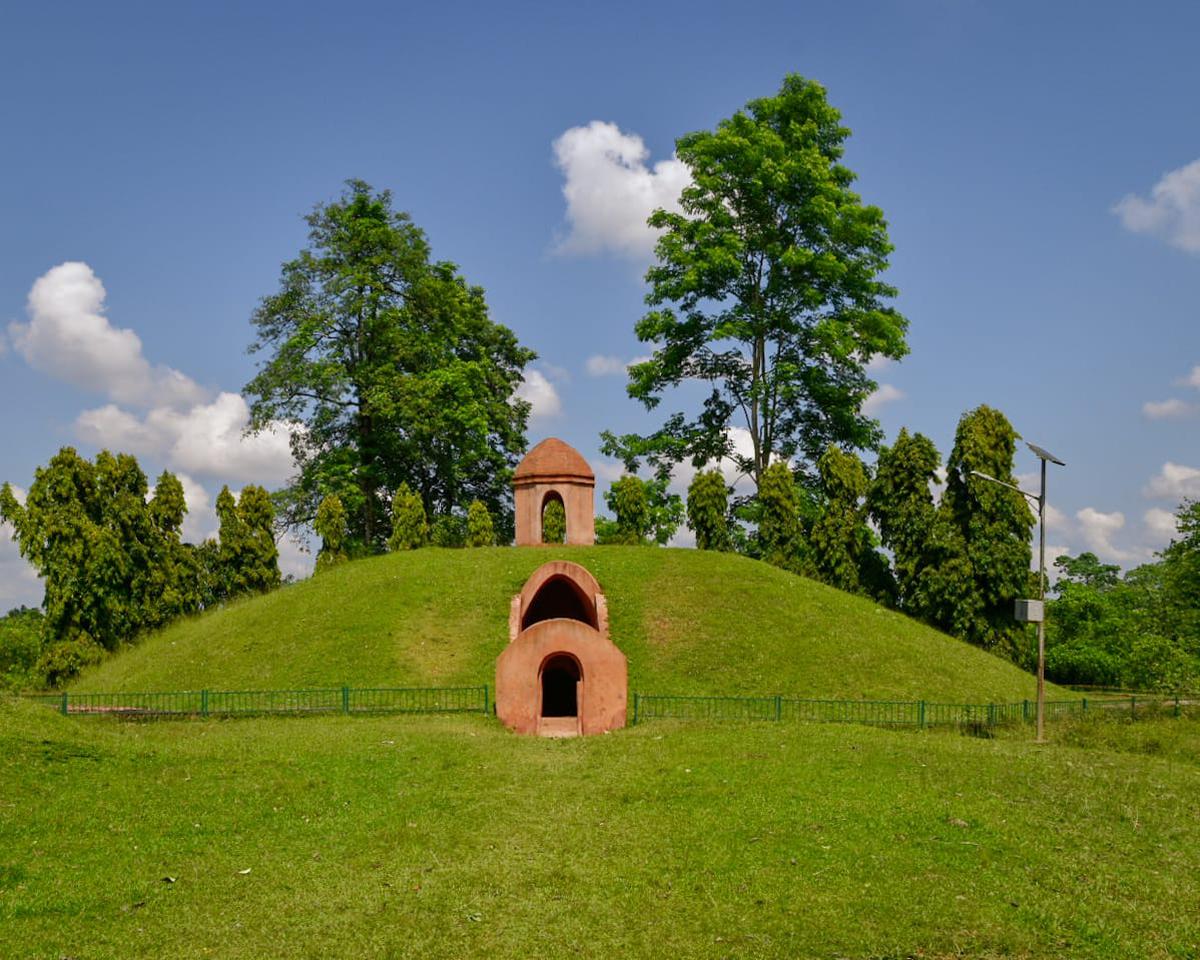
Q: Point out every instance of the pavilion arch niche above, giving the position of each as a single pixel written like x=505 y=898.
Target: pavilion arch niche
x=554 y=470
x=560 y=674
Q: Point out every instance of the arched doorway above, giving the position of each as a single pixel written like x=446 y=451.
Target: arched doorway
x=559 y=598
x=562 y=685
x=554 y=518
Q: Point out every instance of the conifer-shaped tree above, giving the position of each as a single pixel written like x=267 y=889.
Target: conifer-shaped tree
x=554 y=522
x=330 y=526
x=780 y=537
x=708 y=509
x=628 y=501
x=410 y=527
x=480 y=532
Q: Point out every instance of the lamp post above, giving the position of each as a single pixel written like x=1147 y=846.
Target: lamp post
x=1024 y=607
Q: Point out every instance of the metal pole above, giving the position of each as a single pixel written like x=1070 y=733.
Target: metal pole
x=1041 y=685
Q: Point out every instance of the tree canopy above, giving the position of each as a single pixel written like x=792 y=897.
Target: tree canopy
x=392 y=370
x=767 y=293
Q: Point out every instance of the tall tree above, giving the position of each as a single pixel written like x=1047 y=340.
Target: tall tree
x=780 y=535
x=330 y=526
x=901 y=502
x=249 y=558
x=767 y=291
x=627 y=499
x=390 y=369
x=109 y=560
x=1181 y=577
x=841 y=546
x=979 y=547
x=708 y=510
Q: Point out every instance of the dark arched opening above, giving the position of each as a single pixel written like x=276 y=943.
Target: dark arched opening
x=560 y=686
x=557 y=598
x=554 y=518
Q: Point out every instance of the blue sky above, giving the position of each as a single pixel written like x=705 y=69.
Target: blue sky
x=1039 y=166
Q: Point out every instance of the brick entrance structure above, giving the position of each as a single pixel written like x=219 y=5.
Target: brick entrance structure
x=560 y=674
x=554 y=470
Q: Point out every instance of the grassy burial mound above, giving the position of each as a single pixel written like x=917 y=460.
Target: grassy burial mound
x=690 y=622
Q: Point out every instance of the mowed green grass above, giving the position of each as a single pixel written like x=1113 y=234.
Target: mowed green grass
x=449 y=837
x=688 y=621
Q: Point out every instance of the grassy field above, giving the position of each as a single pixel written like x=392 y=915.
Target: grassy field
x=689 y=622
x=448 y=837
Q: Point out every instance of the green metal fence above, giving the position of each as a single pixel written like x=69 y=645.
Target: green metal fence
x=886 y=713
x=234 y=703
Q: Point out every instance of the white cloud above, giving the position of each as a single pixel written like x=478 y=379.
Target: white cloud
x=541 y=395
x=878 y=363
x=1174 y=482
x=1161 y=524
x=884 y=394
x=207 y=439
x=1173 y=409
x=19 y=584
x=1193 y=378
x=599 y=365
x=69 y=337
x=610 y=190
x=1172 y=210
x=609 y=470
x=1098 y=529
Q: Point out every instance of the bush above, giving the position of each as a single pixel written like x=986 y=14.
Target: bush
x=480 y=531
x=330 y=526
x=409 y=526
x=20 y=647
x=707 y=509
x=449 y=530
x=554 y=522
x=628 y=500
x=64 y=661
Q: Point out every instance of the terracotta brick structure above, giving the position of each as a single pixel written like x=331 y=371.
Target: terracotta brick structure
x=554 y=470
x=560 y=674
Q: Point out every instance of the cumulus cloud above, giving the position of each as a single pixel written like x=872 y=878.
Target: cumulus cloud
x=1172 y=210
x=884 y=394
x=206 y=439
x=541 y=394
x=69 y=337
x=599 y=365
x=1161 y=524
x=1097 y=530
x=610 y=190
x=1173 y=409
x=1193 y=378
x=1174 y=481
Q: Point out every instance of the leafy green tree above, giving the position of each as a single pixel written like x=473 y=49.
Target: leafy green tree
x=767 y=291
x=780 y=536
x=1181 y=578
x=979 y=546
x=554 y=522
x=900 y=500
x=708 y=510
x=20 y=647
x=256 y=567
x=841 y=546
x=410 y=529
x=390 y=371
x=88 y=531
x=449 y=530
x=480 y=532
x=628 y=501
x=330 y=526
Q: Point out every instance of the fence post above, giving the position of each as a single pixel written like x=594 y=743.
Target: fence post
x=991 y=715
x=63 y=707
x=485 y=699
x=345 y=699
x=1177 y=705
x=921 y=714
x=204 y=703
x=635 y=708
x=1025 y=710
x=1085 y=704
x=1132 y=707
x=778 y=707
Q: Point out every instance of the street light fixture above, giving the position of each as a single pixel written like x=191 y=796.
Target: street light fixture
x=1026 y=611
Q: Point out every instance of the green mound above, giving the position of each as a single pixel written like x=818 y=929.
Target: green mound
x=690 y=622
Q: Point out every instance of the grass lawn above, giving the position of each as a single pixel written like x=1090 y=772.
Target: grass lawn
x=690 y=622
x=449 y=837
